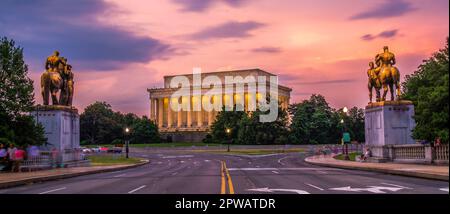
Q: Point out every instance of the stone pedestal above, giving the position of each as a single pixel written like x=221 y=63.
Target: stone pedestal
x=388 y=123
x=62 y=130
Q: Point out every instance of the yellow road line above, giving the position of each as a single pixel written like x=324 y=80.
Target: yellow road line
x=230 y=183
x=222 y=187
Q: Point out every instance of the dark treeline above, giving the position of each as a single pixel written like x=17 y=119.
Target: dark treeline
x=99 y=124
x=312 y=122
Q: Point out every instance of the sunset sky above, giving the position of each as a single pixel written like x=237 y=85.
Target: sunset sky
x=119 y=48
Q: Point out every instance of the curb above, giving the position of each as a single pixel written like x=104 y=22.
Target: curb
x=62 y=176
x=387 y=171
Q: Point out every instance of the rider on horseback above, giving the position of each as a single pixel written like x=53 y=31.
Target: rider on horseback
x=388 y=74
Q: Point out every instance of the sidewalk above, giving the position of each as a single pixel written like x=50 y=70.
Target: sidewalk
x=21 y=178
x=412 y=170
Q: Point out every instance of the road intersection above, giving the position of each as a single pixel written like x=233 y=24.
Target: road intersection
x=182 y=172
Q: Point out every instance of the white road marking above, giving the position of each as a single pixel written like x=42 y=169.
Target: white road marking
x=395 y=185
x=159 y=162
x=411 y=169
x=444 y=189
x=373 y=189
x=207 y=160
x=313 y=186
x=321 y=172
x=119 y=175
x=275 y=172
x=266 y=189
x=295 y=169
x=181 y=161
x=134 y=190
x=279 y=160
x=195 y=162
x=174 y=173
x=53 y=190
x=179 y=156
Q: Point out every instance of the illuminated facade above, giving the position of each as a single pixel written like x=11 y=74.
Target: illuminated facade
x=192 y=125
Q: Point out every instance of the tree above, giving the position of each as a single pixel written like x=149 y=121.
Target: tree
x=16 y=88
x=16 y=98
x=226 y=120
x=353 y=123
x=99 y=124
x=313 y=122
x=252 y=131
x=144 y=131
x=428 y=88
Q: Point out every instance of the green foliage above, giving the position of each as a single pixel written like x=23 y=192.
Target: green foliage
x=247 y=129
x=315 y=122
x=16 y=99
x=252 y=131
x=16 y=88
x=144 y=131
x=99 y=124
x=428 y=88
x=226 y=120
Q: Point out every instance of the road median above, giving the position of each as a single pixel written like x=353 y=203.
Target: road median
x=411 y=170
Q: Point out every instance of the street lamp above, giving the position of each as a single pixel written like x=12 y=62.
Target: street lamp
x=127 y=131
x=346 y=157
x=228 y=131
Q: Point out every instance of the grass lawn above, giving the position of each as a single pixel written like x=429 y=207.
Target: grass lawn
x=252 y=151
x=351 y=155
x=105 y=160
x=163 y=145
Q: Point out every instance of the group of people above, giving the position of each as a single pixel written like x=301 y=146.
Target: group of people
x=12 y=156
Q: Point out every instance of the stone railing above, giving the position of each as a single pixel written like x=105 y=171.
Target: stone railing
x=411 y=153
x=441 y=153
x=408 y=152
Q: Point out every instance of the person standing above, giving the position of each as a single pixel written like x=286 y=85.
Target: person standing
x=3 y=157
x=11 y=155
x=19 y=156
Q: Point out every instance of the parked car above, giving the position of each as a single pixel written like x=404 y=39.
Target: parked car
x=103 y=149
x=115 y=150
x=86 y=150
x=95 y=149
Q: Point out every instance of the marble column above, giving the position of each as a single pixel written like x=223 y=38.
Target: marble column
x=189 y=113
x=200 y=118
x=160 y=112
x=151 y=109
x=179 y=118
x=210 y=117
x=169 y=114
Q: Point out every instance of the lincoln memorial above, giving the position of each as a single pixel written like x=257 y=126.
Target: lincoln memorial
x=192 y=125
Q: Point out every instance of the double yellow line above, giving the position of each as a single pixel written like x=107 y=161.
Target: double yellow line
x=225 y=175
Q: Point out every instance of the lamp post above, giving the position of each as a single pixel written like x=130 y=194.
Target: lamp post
x=127 y=131
x=228 y=131
x=346 y=157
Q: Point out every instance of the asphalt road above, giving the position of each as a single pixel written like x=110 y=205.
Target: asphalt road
x=171 y=172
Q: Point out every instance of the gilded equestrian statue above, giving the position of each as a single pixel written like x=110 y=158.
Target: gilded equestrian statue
x=58 y=77
x=385 y=75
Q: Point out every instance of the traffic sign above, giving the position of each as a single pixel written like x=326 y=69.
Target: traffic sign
x=346 y=137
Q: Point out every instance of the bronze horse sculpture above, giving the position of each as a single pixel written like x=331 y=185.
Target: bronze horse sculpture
x=58 y=77
x=387 y=75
